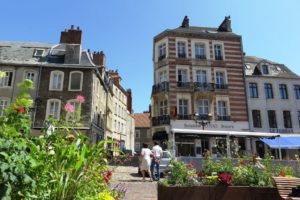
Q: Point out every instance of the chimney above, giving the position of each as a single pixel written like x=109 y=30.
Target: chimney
x=71 y=36
x=185 y=22
x=99 y=58
x=115 y=77
x=129 y=101
x=225 y=25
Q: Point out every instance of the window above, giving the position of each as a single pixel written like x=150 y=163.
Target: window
x=299 y=118
x=162 y=51
x=183 y=108
x=220 y=81
x=53 y=109
x=297 y=91
x=3 y=105
x=182 y=78
x=116 y=108
x=218 y=52
x=265 y=69
x=75 y=81
x=137 y=134
x=163 y=107
x=256 y=118
x=201 y=76
x=56 y=80
x=181 y=50
x=200 y=51
x=162 y=76
x=283 y=91
x=272 y=119
x=287 y=119
x=7 y=79
x=137 y=146
x=203 y=107
x=268 y=91
x=30 y=75
x=39 y=52
x=222 y=109
x=70 y=117
x=253 y=90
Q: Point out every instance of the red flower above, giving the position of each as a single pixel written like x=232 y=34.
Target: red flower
x=106 y=179
x=199 y=173
x=192 y=164
x=282 y=174
x=20 y=109
x=108 y=173
x=225 y=178
x=243 y=162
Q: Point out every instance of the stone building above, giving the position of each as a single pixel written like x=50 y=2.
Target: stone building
x=199 y=77
x=273 y=93
x=142 y=131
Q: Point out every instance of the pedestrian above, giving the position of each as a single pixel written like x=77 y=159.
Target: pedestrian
x=157 y=156
x=146 y=161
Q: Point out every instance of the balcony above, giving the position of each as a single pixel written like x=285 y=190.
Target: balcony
x=281 y=130
x=203 y=86
x=160 y=87
x=203 y=117
x=223 y=118
x=184 y=84
x=161 y=120
x=219 y=86
x=200 y=57
x=184 y=117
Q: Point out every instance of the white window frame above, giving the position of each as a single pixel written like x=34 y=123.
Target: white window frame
x=187 y=72
x=165 y=40
x=31 y=72
x=165 y=72
x=3 y=79
x=81 y=80
x=201 y=76
x=163 y=107
x=226 y=99
x=208 y=73
x=225 y=74
x=4 y=102
x=137 y=146
x=206 y=46
x=222 y=49
x=51 y=80
x=186 y=46
x=48 y=108
x=262 y=69
x=39 y=55
x=202 y=106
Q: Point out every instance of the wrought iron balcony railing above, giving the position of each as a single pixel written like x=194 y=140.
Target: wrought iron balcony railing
x=160 y=120
x=160 y=87
x=219 y=86
x=223 y=118
x=200 y=57
x=198 y=86
x=184 y=84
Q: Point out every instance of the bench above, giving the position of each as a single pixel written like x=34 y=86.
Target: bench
x=285 y=185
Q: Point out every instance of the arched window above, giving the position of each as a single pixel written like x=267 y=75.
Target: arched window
x=75 y=81
x=56 y=80
x=53 y=108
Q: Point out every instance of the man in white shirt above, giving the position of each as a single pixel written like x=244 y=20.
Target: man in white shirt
x=157 y=156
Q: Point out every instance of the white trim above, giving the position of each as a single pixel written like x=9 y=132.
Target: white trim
x=35 y=52
x=223 y=98
x=77 y=104
x=185 y=40
x=4 y=99
x=48 y=107
x=184 y=67
x=156 y=51
x=81 y=80
x=185 y=97
x=162 y=69
x=208 y=73
x=51 y=80
x=216 y=69
x=228 y=133
x=12 y=79
x=30 y=71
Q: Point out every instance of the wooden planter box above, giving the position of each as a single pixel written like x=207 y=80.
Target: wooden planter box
x=217 y=193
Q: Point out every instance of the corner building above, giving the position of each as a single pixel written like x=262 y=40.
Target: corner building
x=199 y=70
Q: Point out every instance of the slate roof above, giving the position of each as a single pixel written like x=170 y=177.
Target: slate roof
x=22 y=53
x=142 y=120
x=276 y=69
x=201 y=31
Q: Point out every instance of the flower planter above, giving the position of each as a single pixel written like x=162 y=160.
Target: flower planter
x=217 y=193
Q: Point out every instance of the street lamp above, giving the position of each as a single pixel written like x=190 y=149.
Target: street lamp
x=202 y=120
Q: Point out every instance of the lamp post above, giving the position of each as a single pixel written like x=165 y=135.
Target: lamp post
x=202 y=120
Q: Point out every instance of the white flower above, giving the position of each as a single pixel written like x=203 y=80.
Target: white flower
x=50 y=130
x=78 y=142
x=51 y=152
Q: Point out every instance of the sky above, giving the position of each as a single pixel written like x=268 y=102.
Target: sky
x=124 y=29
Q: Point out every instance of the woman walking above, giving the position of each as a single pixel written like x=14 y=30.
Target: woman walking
x=146 y=161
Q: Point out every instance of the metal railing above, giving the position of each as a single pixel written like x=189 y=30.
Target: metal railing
x=160 y=120
x=223 y=118
x=198 y=86
x=160 y=87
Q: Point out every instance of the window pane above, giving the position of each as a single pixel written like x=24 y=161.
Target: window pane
x=256 y=118
x=272 y=119
x=75 y=81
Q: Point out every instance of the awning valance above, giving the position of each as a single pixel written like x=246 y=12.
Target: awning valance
x=284 y=142
x=225 y=133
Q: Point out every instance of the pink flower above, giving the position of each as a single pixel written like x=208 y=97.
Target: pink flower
x=69 y=108
x=80 y=98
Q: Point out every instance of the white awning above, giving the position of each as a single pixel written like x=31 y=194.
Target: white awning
x=225 y=133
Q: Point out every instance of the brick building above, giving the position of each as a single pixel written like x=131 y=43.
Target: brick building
x=199 y=74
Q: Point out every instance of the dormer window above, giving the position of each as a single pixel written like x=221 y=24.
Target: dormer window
x=265 y=69
x=39 y=52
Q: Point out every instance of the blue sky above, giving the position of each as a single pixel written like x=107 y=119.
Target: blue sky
x=124 y=29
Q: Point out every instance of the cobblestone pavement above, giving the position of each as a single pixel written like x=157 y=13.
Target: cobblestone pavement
x=136 y=188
